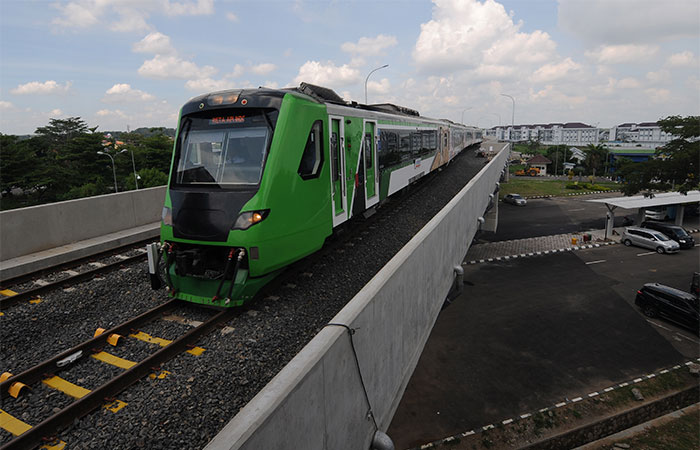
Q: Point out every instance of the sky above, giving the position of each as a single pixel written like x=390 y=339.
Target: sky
x=125 y=64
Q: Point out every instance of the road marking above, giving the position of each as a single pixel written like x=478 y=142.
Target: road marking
x=597 y=261
x=677 y=334
x=647 y=253
x=579 y=209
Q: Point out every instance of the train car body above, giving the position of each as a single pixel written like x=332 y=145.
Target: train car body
x=261 y=177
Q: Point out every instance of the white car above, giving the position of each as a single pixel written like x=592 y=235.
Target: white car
x=515 y=199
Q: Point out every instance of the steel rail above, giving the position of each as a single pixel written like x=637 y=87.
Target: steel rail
x=6 y=302
x=97 y=397
x=8 y=282
x=36 y=373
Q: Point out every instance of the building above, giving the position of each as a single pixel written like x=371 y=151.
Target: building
x=539 y=162
x=644 y=134
x=572 y=133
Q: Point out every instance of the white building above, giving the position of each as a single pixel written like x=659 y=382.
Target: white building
x=645 y=134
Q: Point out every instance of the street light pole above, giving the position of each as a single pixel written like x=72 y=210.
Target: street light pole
x=114 y=170
x=133 y=165
x=367 y=79
x=512 y=123
x=465 y=109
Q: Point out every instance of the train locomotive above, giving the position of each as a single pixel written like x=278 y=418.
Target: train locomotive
x=261 y=177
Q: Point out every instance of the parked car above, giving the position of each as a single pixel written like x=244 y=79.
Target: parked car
x=678 y=234
x=656 y=213
x=651 y=239
x=515 y=199
x=681 y=307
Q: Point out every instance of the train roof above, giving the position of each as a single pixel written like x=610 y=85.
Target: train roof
x=268 y=97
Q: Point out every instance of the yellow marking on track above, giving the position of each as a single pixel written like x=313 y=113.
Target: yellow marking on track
x=114 y=360
x=5 y=376
x=115 y=405
x=141 y=336
x=11 y=424
x=55 y=445
x=16 y=388
x=66 y=387
x=8 y=292
x=160 y=376
x=76 y=391
x=35 y=301
x=2 y=313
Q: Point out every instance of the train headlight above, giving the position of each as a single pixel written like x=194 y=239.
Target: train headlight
x=227 y=98
x=248 y=219
x=167 y=216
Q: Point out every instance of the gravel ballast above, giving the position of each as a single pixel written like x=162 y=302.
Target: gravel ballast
x=202 y=393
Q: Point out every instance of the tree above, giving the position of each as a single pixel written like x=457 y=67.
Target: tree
x=595 y=158
x=676 y=165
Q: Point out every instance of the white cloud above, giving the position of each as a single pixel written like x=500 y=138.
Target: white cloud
x=263 y=69
x=550 y=95
x=56 y=112
x=554 y=71
x=624 y=22
x=629 y=83
x=125 y=93
x=367 y=46
x=124 y=15
x=683 y=59
x=464 y=34
x=209 y=85
x=170 y=67
x=657 y=95
x=379 y=87
x=36 y=87
x=622 y=54
x=6 y=105
x=155 y=43
x=327 y=74
x=232 y=17
x=659 y=76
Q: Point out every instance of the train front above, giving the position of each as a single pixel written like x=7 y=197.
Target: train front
x=220 y=152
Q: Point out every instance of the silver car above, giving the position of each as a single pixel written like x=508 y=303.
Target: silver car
x=515 y=199
x=651 y=239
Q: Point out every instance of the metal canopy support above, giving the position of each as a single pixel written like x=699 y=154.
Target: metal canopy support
x=609 y=220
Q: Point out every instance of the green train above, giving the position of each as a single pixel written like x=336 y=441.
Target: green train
x=261 y=177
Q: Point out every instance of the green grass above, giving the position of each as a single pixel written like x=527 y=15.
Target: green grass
x=681 y=433
x=533 y=187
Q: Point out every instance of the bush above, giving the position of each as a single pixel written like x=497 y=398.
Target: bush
x=586 y=186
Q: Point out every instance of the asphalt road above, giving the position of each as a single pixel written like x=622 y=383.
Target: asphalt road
x=556 y=215
x=528 y=333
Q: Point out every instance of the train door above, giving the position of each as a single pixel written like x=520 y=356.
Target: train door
x=445 y=143
x=369 y=155
x=337 y=156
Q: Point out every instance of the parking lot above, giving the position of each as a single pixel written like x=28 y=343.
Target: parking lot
x=531 y=332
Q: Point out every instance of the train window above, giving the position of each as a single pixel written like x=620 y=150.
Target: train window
x=368 y=150
x=334 y=152
x=312 y=158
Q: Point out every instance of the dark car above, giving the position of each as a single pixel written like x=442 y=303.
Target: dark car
x=678 y=234
x=681 y=307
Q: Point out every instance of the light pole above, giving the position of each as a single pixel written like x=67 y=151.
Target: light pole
x=367 y=79
x=133 y=164
x=512 y=120
x=465 y=109
x=114 y=170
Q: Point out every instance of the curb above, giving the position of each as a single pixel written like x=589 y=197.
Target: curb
x=566 y=401
x=545 y=252
x=568 y=194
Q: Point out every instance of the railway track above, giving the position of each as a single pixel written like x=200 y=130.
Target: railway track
x=27 y=436
x=31 y=286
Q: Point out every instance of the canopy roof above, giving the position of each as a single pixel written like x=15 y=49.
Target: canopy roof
x=661 y=199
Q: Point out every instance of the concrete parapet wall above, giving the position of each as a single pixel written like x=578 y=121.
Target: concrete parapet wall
x=317 y=401
x=29 y=230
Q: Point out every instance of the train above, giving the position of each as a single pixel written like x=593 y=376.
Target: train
x=260 y=178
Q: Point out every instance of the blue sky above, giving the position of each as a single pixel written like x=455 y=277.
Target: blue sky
x=119 y=63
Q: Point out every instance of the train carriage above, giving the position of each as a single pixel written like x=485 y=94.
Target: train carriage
x=261 y=177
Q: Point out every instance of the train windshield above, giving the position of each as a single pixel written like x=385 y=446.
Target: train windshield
x=227 y=150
